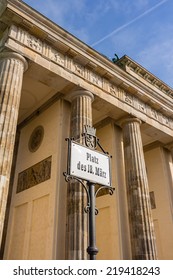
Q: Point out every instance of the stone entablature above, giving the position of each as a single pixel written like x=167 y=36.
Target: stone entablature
x=38 y=25
x=139 y=72
x=84 y=67
x=18 y=38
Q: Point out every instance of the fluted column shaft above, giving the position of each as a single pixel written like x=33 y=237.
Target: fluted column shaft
x=12 y=66
x=77 y=234
x=141 y=223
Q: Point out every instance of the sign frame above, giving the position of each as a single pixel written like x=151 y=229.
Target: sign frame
x=91 y=166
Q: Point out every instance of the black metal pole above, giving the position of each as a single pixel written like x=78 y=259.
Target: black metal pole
x=92 y=249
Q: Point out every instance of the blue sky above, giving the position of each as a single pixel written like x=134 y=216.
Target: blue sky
x=141 y=29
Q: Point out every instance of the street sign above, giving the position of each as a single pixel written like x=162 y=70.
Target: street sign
x=90 y=165
x=86 y=164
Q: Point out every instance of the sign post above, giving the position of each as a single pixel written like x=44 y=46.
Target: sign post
x=86 y=164
x=92 y=249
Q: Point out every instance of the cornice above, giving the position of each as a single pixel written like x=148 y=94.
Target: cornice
x=42 y=27
x=45 y=32
x=45 y=29
x=139 y=72
x=31 y=47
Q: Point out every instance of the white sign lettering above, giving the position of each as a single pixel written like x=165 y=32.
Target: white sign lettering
x=90 y=165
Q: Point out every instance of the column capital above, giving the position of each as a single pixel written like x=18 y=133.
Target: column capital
x=127 y=120
x=5 y=55
x=80 y=93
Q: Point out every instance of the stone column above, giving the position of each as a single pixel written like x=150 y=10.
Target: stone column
x=12 y=66
x=141 y=225
x=168 y=156
x=77 y=233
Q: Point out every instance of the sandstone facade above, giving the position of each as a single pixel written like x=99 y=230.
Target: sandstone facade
x=51 y=86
